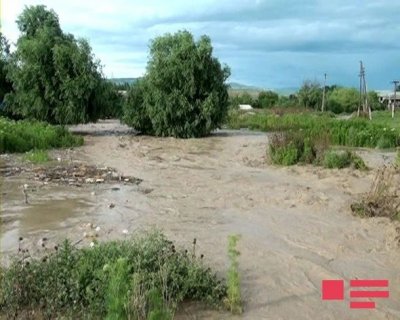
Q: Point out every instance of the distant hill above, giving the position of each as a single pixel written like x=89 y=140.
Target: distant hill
x=235 y=87
x=240 y=86
x=124 y=80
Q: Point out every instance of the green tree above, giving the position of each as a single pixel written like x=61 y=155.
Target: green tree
x=183 y=93
x=343 y=100
x=5 y=84
x=373 y=101
x=288 y=101
x=55 y=76
x=310 y=95
x=267 y=99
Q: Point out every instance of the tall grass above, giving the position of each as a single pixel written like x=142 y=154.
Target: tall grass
x=353 y=132
x=23 y=136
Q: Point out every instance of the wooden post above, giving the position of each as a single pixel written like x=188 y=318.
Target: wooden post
x=395 y=83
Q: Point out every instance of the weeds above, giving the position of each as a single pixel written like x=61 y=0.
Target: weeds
x=343 y=159
x=382 y=200
x=23 y=136
x=142 y=278
x=233 y=300
x=37 y=156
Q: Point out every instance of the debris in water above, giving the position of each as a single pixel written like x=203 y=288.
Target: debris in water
x=79 y=173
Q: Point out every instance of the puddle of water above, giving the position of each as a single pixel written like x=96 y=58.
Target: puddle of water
x=48 y=209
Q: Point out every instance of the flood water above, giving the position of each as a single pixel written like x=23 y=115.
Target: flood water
x=295 y=223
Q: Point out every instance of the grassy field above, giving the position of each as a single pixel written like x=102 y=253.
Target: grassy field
x=23 y=136
x=355 y=132
x=385 y=119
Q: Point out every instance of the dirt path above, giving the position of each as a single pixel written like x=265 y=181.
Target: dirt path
x=295 y=223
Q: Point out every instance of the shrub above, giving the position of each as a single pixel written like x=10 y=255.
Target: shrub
x=343 y=159
x=184 y=92
x=335 y=159
x=142 y=278
x=289 y=148
x=22 y=136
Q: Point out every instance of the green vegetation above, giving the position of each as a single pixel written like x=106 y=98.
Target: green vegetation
x=342 y=159
x=384 y=118
x=293 y=147
x=142 y=278
x=5 y=84
x=353 y=132
x=183 y=93
x=55 y=77
x=37 y=156
x=233 y=299
x=23 y=136
x=289 y=148
x=310 y=95
x=383 y=199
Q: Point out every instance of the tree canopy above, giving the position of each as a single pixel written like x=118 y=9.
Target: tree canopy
x=5 y=84
x=183 y=93
x=310 y=95
x=55 y=76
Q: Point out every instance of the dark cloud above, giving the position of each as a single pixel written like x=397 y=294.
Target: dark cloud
x=266 y=43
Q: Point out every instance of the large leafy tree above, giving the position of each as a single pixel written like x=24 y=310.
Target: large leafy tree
x=183 y=93
x=5 y=85
x=55 y=76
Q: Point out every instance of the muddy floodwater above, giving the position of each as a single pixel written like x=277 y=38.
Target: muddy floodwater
x=295 y=223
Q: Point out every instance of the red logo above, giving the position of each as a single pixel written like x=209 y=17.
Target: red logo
x=334 y=290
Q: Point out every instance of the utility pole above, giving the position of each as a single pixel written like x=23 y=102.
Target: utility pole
x=363 y=94
x=323 y=94
x=395 y=82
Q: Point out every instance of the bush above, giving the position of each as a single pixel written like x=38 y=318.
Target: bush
x=184 y=92
x=290 y=148
x=22 y=136
x=335 y=159
x=140 y=278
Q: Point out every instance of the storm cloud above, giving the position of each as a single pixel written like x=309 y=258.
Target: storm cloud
x=271 y=44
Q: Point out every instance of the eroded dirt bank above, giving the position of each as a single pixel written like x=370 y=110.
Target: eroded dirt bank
x=295 y=223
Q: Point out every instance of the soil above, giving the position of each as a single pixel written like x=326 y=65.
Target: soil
x=295 y=223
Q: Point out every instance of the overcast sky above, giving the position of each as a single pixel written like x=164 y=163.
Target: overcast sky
x=267 y=43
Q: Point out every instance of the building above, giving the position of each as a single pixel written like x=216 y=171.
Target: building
x=245 y=107
x=386 y=97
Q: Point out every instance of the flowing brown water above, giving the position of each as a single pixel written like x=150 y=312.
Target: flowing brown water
x=295 y=223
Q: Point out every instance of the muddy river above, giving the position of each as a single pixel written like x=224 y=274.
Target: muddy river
x=295 y=223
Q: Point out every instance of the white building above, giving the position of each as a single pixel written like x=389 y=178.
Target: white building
x=245 y=107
